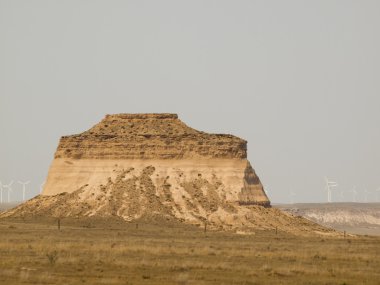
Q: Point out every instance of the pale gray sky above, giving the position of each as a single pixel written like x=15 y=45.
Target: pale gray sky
x=300 y=80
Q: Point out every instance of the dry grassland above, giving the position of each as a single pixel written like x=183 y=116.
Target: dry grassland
x=112 y=252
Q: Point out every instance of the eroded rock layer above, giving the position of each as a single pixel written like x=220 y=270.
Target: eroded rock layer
x=148 y=136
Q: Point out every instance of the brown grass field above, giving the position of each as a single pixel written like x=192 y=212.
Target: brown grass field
x=162 y=252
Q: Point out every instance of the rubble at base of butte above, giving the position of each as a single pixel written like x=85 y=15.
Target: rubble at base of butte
x=143 y=165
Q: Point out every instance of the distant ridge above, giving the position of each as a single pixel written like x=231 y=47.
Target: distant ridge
x=357 y=218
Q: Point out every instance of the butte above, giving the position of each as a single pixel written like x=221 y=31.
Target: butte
x=134 y=166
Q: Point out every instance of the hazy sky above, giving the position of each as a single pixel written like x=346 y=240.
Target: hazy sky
x=300 y=80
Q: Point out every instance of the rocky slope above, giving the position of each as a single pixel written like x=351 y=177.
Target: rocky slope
x=133 y=195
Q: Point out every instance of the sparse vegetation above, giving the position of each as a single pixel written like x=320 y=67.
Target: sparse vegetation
x=165 y=252
x=52 y=257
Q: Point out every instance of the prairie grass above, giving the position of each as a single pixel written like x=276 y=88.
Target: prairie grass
x=36 y=252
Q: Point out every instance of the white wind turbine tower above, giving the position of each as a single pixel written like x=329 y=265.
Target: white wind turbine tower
x=42 y=186
x=377 y=196
x=292 y=195
x=341 y=195
x=1 y=192
x=23 y=188
x=9 y=189
x=354 y=193
x=329 y=186
x=366 y=193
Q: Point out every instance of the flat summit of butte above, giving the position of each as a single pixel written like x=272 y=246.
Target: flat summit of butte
x=134 y=166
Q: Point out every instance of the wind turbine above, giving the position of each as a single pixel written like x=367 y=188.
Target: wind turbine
x=354 y=193
x=366 y=193
x=1 y=191
x=9 y=189
x=42 y=186
x=329 y=186
x=23 y=188
x=341 y=195
x=292 y=195
x=377 y=196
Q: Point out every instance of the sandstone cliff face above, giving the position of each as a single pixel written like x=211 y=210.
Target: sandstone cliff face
x=148 y=136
